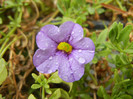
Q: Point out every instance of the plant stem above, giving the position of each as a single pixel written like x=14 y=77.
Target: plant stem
x=9 y=34
x=93 y=78
x=3 y=45
x=4 y=50
x=43 y=93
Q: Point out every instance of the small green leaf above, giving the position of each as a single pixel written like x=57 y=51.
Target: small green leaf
x=125 y=97
x=3 y=70
x=69 y=84
x=113 y=33
x=102 y=93
x=55 y=78
x=91 y=10
x=35 y=86
x=0 y=96
x=64 y=94
x=34 y=76
x=31 y=96
x=129 y=49
x=102 y=36
x=130 y=90
x=1 y=20
x=48 y=91
x=46 y=86
x=56 y=94
x=124 y=34
x=85 y=96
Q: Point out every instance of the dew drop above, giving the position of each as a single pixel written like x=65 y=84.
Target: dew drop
x=50 y=57
x=72 y=32
x=49 y=71
x=79 y=50
x=70 y=39
x=70 y=59
x=38 y=55
x=81 y=60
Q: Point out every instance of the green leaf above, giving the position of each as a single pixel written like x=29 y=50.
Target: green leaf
x=94 y=37
x=102 y=36
x=64 y=94
x=85 y=96
x=102 y=93
x=34 y=76
x=91 y=10
x=31 y=96
x=1 y=20
x=48 y=91
x=113 y=33
x=55 y=78
x=129 y=49
x=56 y=94
x=69 y=84
x=3 y=70
x=46 y=86
x=110 y=45
x=35 y=86
x=124 y=34
x=0 y=96
x=59 y=93
x=125 y=97
x=130 y=90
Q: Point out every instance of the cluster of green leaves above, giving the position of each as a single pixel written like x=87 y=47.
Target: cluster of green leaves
x=117 y=50
x=77 y=10
x=56 y=93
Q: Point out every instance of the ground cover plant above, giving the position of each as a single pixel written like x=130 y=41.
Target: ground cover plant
x=103 y=29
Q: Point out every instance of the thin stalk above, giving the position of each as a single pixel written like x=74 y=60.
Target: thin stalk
x=43 y=93
x=104 y=3
x=120 y=5
x=10 y=33
x=5 y=49
x=93 y=78
x=3 y=45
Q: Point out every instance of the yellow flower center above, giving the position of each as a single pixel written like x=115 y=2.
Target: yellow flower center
x=65 y=47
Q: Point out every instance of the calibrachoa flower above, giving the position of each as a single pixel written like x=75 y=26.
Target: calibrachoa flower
x=63 y=49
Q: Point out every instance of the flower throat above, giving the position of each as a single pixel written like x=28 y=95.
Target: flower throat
x=64 y=47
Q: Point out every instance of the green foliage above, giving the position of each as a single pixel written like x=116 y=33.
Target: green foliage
x=102 y=93
x=3 y=70
x=59 y=93
x=31 y=96
x=42 y=82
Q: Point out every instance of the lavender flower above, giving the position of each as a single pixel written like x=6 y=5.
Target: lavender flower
x=63 y=49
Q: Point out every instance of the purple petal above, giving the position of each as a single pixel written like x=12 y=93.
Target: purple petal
x=50 y=65
x=76 y=34
x=51 y=31
x=64 y=69
x=70 y=70
x=83 y=56
x=44 y=42
x=41 y=55
x=84 y=44
x=77 y=69
x=65 y=31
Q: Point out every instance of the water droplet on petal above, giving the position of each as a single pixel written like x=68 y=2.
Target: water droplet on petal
x=71 y=38
x=38 y=56
x=50 y=57
x=72 y=32
x=49 y=71
x=81 y=60
x=70 y=59
x=79 y=50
